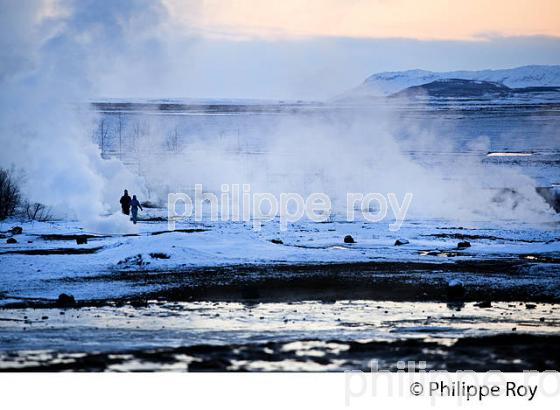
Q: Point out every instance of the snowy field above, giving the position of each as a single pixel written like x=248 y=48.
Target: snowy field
x=302 y=299
x=46 y=260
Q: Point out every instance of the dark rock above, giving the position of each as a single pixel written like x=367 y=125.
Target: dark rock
x=81 y=240
x=154 y=219
x=213 y=365
x=136 y=260
x=485 y=304
x=456 y=305
x=551 y=195
x=464 y=244
x=11 y=240
x=530 y=305
x=455 y=289
x=250 y=293
x=16 y=230
x=349 y=239
x=159 y=255
x=139 y=303
x=149 y=204
x=277 y=241
x=400 y=242
x=65 y=301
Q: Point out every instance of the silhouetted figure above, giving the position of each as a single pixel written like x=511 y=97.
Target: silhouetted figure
x=125 y=203
x=134 y=205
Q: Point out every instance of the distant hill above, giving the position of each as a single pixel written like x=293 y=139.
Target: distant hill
x=383 y=84
x=457 y=88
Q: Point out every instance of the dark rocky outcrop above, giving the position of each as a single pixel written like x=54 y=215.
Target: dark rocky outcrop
x=463 y=245
x=81 y=241
x=454 y=87
x=16 y=230
x=455 y=289
x=64 y=300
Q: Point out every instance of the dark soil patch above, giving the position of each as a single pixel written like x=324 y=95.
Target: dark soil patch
x=56 y=251
x=159 y=255
x=462 y=236
x=193 y=230
x=153 y=219
x=70 y=237
x=496 y=280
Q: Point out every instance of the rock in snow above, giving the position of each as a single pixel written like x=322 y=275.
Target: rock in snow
x=455 y=289
x=16 y=230
x=530 y=306
x=65 y=300
x=455 y=283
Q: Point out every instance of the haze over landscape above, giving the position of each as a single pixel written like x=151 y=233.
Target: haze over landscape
x=443 y=116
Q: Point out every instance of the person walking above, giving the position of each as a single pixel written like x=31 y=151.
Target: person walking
x=134 y=205
x=125 y=203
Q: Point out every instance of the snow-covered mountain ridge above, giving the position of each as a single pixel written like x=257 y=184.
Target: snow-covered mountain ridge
x=391 y=82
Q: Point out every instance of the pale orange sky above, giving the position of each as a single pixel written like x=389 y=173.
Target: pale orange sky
x=421 y=19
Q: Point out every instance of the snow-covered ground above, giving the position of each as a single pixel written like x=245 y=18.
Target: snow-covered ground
x=43 y=266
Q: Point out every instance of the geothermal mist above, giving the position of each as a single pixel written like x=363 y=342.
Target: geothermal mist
x=51 y=53
x=341 y=151
x=54 y=54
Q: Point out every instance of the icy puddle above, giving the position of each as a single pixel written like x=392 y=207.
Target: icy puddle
x=509 y=154
x=313 y=331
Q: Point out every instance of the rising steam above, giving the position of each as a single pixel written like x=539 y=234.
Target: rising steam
x=52 y=53
x=55 y=53
x=341 y=152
